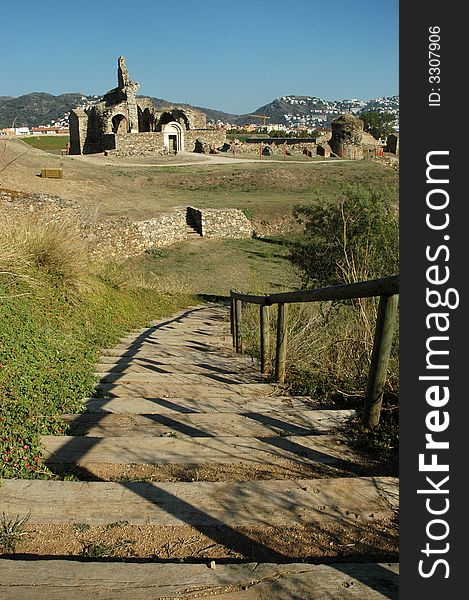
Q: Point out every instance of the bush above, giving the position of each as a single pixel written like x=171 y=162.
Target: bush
x=354 y=240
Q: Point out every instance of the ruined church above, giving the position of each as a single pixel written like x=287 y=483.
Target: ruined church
x=125 y=124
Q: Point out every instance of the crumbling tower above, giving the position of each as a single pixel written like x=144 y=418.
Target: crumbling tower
x=346 y=140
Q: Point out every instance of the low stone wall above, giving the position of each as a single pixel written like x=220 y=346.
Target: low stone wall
x=274 y=148
x=229 y=223
x=165 y=230
x=120 y=237
x=137 y=144
x=207 y=137
x=150 y=143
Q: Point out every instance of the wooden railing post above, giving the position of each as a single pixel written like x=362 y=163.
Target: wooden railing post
x=238 y=325
x=232 y=320
x=265 y=339
x=281 y=353
x=385 y=321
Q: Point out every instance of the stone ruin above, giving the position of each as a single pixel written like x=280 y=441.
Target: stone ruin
x=346 y=140
x=125 y=124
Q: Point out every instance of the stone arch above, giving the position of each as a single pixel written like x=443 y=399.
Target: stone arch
x=120 y=124
x=146 y=119
x=173 y=136
x=181 y=117
x=164 y=119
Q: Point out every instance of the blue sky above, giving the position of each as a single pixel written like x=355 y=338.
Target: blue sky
x=229 y=55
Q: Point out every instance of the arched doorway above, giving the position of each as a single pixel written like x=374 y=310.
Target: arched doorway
x=173 y=137
x=119 y=124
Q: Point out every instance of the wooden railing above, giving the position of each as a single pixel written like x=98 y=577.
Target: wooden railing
x=387 y=289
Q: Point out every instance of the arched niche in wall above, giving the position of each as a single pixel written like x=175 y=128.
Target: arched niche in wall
x=119 y=124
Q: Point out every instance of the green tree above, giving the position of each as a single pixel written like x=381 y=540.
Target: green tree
x=354 y=240
x=380 y=125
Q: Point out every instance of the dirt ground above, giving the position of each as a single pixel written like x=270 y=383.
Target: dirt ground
x=323 y=542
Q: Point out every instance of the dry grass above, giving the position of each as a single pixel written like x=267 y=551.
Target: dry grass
x=329 y=345
x=29 y=244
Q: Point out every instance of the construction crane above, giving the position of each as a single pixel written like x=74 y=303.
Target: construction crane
x=265 y=117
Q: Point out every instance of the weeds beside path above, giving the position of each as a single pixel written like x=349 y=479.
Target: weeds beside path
x=57 y=310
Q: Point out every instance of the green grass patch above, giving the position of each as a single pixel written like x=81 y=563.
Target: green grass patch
x=48 y=143
x=47 y=351
x=216 y=266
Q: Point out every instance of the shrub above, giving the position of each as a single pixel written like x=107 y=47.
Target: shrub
x=354 y=240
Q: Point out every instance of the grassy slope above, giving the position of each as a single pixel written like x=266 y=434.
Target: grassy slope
x=48 y=348
x=216 y=266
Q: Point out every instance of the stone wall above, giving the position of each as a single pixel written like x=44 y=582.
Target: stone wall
x=207 y=137
x=150 y=143
x=78 y=125
x=229 y=223
x=274 y=147
x=168 y=229
x=135 y=144
x=120 y=237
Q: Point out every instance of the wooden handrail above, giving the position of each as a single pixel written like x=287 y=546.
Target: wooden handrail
x=386 y=288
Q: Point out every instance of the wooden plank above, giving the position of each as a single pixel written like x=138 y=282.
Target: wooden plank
x=207 y=404
x=180 y=378
x=238 y=326
x=235 y=504
x=258 y=424
x=195 y=450
x=175 y=366
x=197 y=391
x=78 y=580
x=362 y=289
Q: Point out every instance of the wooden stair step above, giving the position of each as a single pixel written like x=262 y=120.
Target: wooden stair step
x=62 y=450
x=212 y=403
x=208 y=360
x=175 y=378
x=195 y=390
x=173 y=366
x=251 y=503
x=78 y=580
x=168 y=352
x=258 y=424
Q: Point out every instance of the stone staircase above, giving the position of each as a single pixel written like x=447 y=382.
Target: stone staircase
x=190 y=476
x=192 y=235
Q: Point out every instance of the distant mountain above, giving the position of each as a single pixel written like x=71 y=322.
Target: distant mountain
x=36 y=109
x=212 y=115
x=309 y=111
x=40 y=108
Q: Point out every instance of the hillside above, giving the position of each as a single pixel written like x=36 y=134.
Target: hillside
x=40 y=108
x=316 y=112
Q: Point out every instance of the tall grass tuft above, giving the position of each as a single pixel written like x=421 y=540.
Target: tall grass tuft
x=31 y=245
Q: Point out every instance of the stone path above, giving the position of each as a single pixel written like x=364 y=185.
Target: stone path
x=206 y=480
